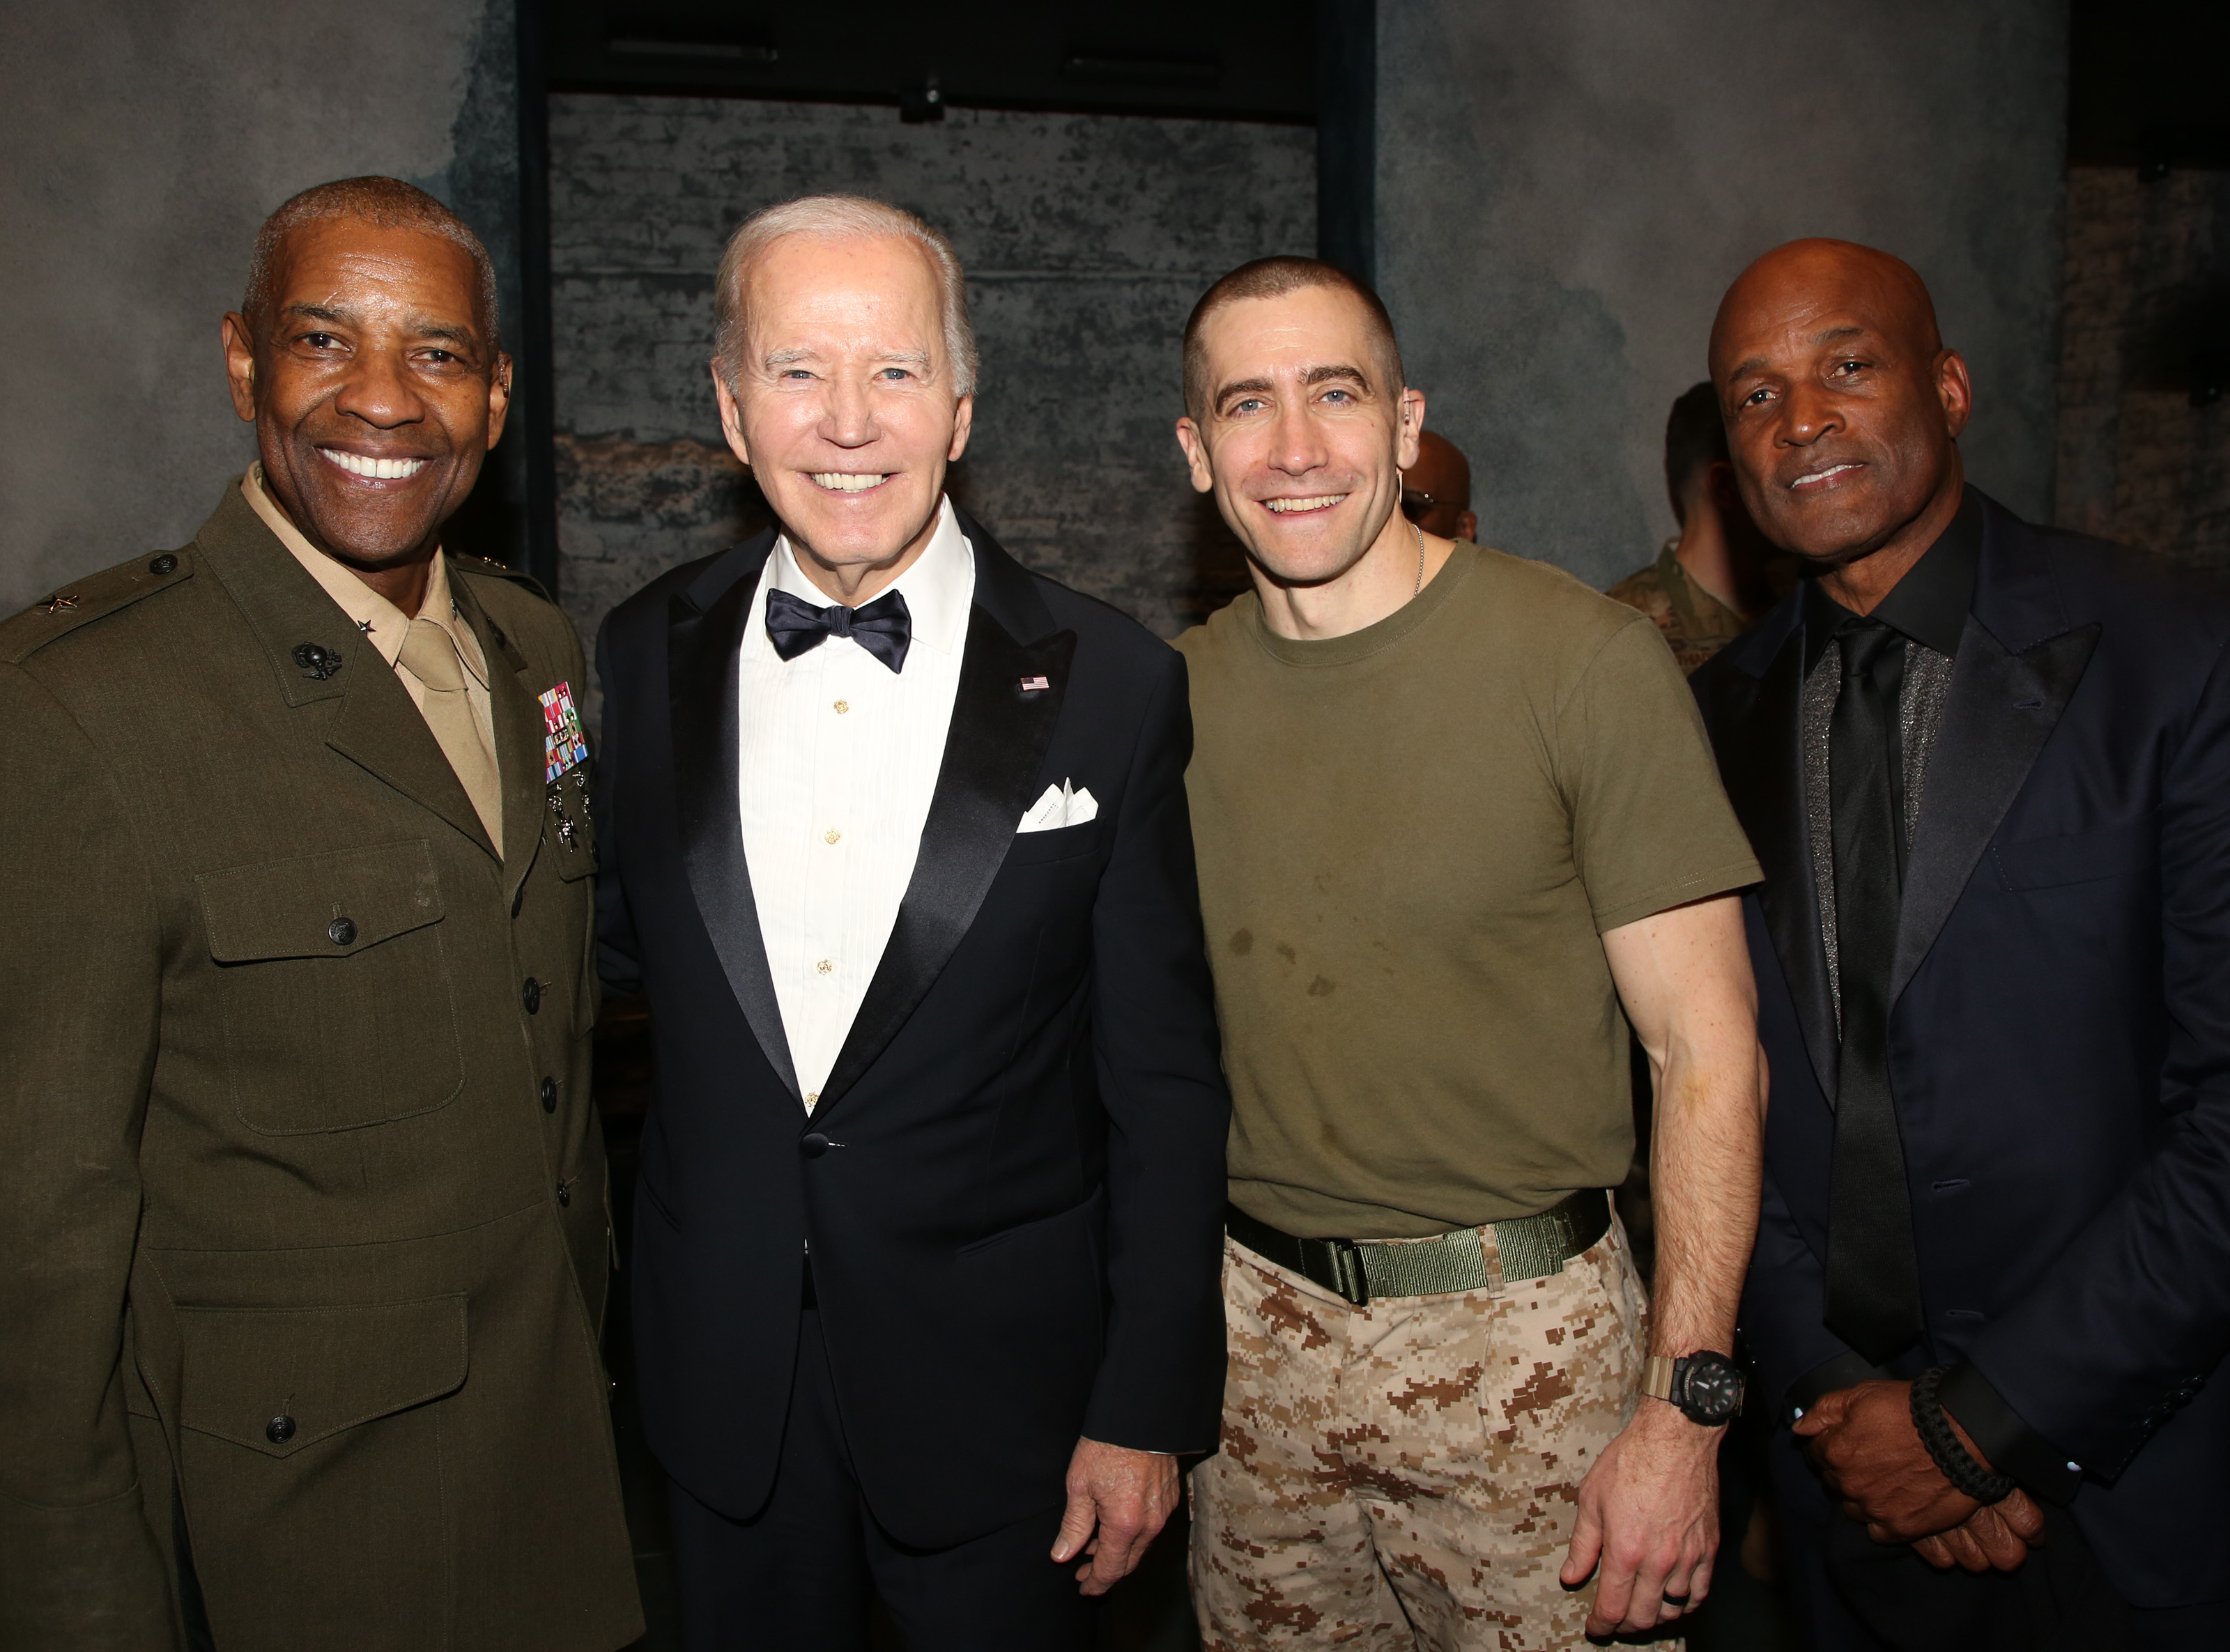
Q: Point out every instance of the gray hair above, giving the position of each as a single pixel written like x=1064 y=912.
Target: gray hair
x=839 y=217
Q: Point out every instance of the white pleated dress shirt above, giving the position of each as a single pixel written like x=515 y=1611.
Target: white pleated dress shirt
x=840 y=758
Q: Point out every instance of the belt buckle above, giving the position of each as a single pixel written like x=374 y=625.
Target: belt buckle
x=1348 y=1278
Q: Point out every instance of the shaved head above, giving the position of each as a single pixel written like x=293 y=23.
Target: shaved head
x=1825 y=273
x=1272 y=278
x=1843 y=408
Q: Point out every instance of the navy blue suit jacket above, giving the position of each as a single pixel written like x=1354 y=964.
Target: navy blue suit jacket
x=1017 y=1238
x=2060 y=1041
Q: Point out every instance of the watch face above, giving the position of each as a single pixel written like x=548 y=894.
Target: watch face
x=1713 y=1392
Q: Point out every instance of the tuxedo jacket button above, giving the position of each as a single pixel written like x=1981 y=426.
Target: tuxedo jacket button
x=812 y=1144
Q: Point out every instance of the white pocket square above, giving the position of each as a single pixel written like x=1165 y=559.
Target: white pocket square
x=1060 y=806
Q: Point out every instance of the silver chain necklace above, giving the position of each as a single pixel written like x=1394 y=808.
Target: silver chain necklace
x=1419 y=532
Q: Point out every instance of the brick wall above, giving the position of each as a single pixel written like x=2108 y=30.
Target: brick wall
x=2145 y=413
x=1086 y=240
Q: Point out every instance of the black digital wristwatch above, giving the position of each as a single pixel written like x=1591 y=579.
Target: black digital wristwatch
x=1705 y=1385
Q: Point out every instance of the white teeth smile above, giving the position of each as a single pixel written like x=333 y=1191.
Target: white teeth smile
x=1285 y=507
x=379 y=470
x=1815 y=478
x=846 y=482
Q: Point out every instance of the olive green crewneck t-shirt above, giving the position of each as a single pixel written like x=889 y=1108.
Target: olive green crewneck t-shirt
x=1410 y=841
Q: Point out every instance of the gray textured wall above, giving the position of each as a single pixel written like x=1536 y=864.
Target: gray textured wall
x=1565 y=191
x=1086 y=239
x=145 y=144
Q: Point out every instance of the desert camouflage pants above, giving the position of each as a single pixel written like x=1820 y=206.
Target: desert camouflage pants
x=1405 y=1475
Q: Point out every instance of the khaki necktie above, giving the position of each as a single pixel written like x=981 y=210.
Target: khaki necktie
x=429 y=655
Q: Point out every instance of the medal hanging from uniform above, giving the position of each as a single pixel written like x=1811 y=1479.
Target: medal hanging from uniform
x=564 y=750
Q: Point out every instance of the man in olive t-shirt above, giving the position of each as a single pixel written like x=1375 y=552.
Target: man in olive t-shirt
x=1456 y=821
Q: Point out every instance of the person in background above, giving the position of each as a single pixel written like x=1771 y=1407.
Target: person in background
x=1718 y=573
x=1456 y=822
x=1436 y=490
x=1987 y=766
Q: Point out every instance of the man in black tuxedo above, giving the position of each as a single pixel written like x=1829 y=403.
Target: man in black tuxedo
x=1986 y=767
x=895 y=840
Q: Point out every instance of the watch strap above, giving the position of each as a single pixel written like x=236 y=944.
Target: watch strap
x=1657 y=1379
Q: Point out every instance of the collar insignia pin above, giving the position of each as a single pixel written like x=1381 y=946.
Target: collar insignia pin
x=316 y=662
x=1035 y=685
x=59 y=601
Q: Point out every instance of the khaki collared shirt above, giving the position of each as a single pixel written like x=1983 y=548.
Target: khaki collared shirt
x=385 y=624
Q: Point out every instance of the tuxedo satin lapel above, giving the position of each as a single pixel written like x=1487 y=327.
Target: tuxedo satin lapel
x=2003 y=707
x=703 y=655
x=1762 y=762
x=992 y=753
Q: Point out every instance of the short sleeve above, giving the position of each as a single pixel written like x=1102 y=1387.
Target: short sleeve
x=1651 y=828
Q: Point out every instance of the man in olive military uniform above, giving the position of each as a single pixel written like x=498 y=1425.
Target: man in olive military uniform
x=304 y=1250
x=1718 y=573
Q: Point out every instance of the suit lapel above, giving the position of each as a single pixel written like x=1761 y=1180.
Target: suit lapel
x=520 y=756
x=2018 y=666
x=993 y=753
x=375 y=726
x=704 y=654
x=1762 y=762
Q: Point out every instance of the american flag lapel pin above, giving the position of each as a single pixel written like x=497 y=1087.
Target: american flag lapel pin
x=1036 y=684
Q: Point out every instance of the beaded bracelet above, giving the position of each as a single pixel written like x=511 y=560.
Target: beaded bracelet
x=1959 y=1467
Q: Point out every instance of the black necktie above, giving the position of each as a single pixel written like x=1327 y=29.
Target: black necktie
x=1874 y=1276
x=883 y=626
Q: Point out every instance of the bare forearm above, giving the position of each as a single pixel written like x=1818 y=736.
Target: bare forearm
x=1704 y=1167
x=1648 y=1506
x=1684 y=978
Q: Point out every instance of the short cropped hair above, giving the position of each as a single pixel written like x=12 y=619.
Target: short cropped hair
x=839 y=217
x=388 y=202
x=1272 y=278
x=1695 y=438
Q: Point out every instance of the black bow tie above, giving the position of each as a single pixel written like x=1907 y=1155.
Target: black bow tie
x=883 y=626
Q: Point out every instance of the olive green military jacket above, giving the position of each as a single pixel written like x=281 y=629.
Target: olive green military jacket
x=304 y=1233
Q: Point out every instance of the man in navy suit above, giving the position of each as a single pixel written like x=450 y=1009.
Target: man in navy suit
x=1986 y=767
x=895 y=840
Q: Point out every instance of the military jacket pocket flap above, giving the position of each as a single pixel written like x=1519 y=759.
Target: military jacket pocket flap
x=279 y=1379
x=319 y=906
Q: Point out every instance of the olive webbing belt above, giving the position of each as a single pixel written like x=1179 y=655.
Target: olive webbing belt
x=1363 y=1270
